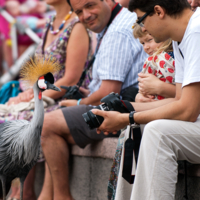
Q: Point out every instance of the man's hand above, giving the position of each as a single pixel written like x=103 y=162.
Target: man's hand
x=68 y=103
x=113 y=121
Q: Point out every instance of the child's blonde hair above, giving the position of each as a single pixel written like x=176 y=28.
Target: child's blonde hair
x=137 y=31
x=165 y=46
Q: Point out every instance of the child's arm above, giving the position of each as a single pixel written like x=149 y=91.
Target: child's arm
x=150 y=84
x=140 y=98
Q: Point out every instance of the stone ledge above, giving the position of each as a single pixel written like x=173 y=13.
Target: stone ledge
x=104 y=149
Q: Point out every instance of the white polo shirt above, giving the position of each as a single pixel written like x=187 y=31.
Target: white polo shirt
x=188 y=68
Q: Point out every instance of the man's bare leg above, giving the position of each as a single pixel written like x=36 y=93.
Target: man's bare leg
x=55 y=139
x=47 y=189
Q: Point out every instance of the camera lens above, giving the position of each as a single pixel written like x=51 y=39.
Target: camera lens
x=94 y=121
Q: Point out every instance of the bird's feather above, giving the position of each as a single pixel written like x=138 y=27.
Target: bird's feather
x=37 y=67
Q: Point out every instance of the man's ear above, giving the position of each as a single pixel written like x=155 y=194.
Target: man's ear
x=159 y=11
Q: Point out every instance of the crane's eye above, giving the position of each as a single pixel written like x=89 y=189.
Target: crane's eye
x=42 y=83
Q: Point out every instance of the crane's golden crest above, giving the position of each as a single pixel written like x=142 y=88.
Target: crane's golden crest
x=37 y=67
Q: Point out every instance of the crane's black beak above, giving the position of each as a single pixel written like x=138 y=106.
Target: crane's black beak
x=52 y=86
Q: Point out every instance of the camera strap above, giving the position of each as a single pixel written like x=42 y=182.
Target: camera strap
x=131 y=151
x=115 y=11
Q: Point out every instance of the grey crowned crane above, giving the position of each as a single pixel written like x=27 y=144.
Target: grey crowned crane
x=20 y=139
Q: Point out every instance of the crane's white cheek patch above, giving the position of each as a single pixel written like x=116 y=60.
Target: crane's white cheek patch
x=42 y=84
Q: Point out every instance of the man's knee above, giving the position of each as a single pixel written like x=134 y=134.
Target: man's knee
x=54 y=125
x=154 y=130
x=46 y=129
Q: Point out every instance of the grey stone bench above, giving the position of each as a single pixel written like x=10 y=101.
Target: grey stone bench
x=90 y=170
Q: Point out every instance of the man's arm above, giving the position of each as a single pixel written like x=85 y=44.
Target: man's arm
x=155 y=104
x=185 y=107
x=107 y=86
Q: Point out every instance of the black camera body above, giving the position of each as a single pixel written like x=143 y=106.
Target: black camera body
x=110 y=102
x=72 y=92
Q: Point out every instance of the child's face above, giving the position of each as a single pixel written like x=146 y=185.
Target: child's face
x=149 y=45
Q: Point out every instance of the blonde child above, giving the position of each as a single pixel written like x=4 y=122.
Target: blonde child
x=159 y=63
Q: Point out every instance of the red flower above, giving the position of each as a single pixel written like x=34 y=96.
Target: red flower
x=155 y=58
x=163 y=79
x=160 y=97
x=162 y=63
x=150 y=70
x=150 y=58
x=167 y=56
x=170 y=70
x=169 y=78
x=174 y=63
x=144 y=66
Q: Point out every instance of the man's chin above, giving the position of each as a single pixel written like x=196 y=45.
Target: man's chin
x=157 y=40
x=93 y=28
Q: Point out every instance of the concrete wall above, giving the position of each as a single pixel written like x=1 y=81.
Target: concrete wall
x=89 y=174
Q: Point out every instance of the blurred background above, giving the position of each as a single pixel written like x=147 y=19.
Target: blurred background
x=21 y=28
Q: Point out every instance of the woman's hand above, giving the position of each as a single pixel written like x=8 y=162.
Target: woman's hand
x=84 y=91
x=149 y=84
x=25 y=96
x=68 y=103
x=142 y=99
x=113 y=121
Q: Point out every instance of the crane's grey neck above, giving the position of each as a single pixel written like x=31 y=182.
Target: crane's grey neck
x=38 y=116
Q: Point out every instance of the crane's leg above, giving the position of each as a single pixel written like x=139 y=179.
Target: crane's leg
x=3 y=181
x=21 y=187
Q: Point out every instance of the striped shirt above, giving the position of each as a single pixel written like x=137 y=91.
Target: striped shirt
x=120 y=56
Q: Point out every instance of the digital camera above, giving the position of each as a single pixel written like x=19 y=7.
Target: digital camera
x=110 y=102
x=72 y=92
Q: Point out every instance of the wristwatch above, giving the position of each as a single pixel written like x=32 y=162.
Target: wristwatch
x=131 y=117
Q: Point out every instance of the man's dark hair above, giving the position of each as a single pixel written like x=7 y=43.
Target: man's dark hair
x=172 y=7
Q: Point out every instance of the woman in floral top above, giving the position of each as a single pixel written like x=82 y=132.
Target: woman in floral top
x=67 y=40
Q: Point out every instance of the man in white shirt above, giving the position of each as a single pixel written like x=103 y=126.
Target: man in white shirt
x=173 y=129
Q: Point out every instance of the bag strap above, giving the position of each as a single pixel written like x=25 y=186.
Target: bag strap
x=180 y=50
x=131 y=148
x=117 y=8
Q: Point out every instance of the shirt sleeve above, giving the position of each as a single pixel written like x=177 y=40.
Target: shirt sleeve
x=191 y=59
x=115 y=57
x=179 y=64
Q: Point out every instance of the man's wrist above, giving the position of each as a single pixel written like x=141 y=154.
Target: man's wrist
x=131 y=117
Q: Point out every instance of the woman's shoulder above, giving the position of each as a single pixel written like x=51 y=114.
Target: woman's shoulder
x=75 y=23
